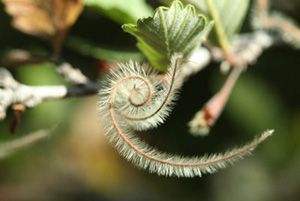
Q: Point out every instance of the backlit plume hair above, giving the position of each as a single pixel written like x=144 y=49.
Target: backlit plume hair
x=133 y=98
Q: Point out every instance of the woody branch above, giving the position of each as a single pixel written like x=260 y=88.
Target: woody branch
x=13 y=92
x=248 y=48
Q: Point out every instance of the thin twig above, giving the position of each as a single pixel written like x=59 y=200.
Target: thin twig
x=247 y=48
x=200 y=58
x=222 y=37
x=263 y=18
x=8 y=148
x=17 y=57
x=73 y=75
x=207 y=116
x=30 y=96
x=20 y=57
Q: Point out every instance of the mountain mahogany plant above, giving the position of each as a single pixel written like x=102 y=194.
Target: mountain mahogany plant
x=137 y=97
x=134 y=99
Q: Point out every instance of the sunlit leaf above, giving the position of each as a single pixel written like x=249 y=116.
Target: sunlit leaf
x=232 y=14
x=170 y=30
x=48 y=19
x=121 y=11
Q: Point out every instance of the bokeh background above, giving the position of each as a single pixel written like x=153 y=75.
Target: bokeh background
x=78 y=163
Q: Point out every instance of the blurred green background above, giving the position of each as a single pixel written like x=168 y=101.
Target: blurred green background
x=78 y=163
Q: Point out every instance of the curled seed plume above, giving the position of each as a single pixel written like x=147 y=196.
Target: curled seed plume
x=134 y=99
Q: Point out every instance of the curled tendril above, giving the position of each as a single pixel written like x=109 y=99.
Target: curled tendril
x=133 y=99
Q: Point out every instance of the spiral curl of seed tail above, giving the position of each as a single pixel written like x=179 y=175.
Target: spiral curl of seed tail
x=136 y=98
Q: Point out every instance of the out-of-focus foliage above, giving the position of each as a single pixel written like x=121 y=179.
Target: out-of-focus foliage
x=8 y=148
x=36 y=17
x=88 y=48
x=276 y=21
x=231 y=12
x=121 y=11
x=49 y=113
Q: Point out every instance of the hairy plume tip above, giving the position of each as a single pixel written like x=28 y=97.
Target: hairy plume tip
x=199 y=125
x=132 y=100
x=269 y=132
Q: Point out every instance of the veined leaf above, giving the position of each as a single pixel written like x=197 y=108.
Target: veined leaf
x=231 y=12
x=170 y=30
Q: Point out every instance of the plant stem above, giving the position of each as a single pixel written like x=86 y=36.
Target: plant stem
x=222 y=37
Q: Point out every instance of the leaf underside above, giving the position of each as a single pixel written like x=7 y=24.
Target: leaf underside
x=170 y=30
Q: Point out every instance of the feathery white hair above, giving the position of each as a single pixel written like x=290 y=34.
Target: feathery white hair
x=134 y=99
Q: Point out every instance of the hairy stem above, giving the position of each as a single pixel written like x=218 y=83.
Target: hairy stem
x=207 y=116
x=205 y=164
x=149 y=95
x=216 y=104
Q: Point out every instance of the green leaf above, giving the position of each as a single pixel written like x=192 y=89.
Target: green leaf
x=121 y=11
x=170 y=30
x=97 y=51
x=232 y=14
